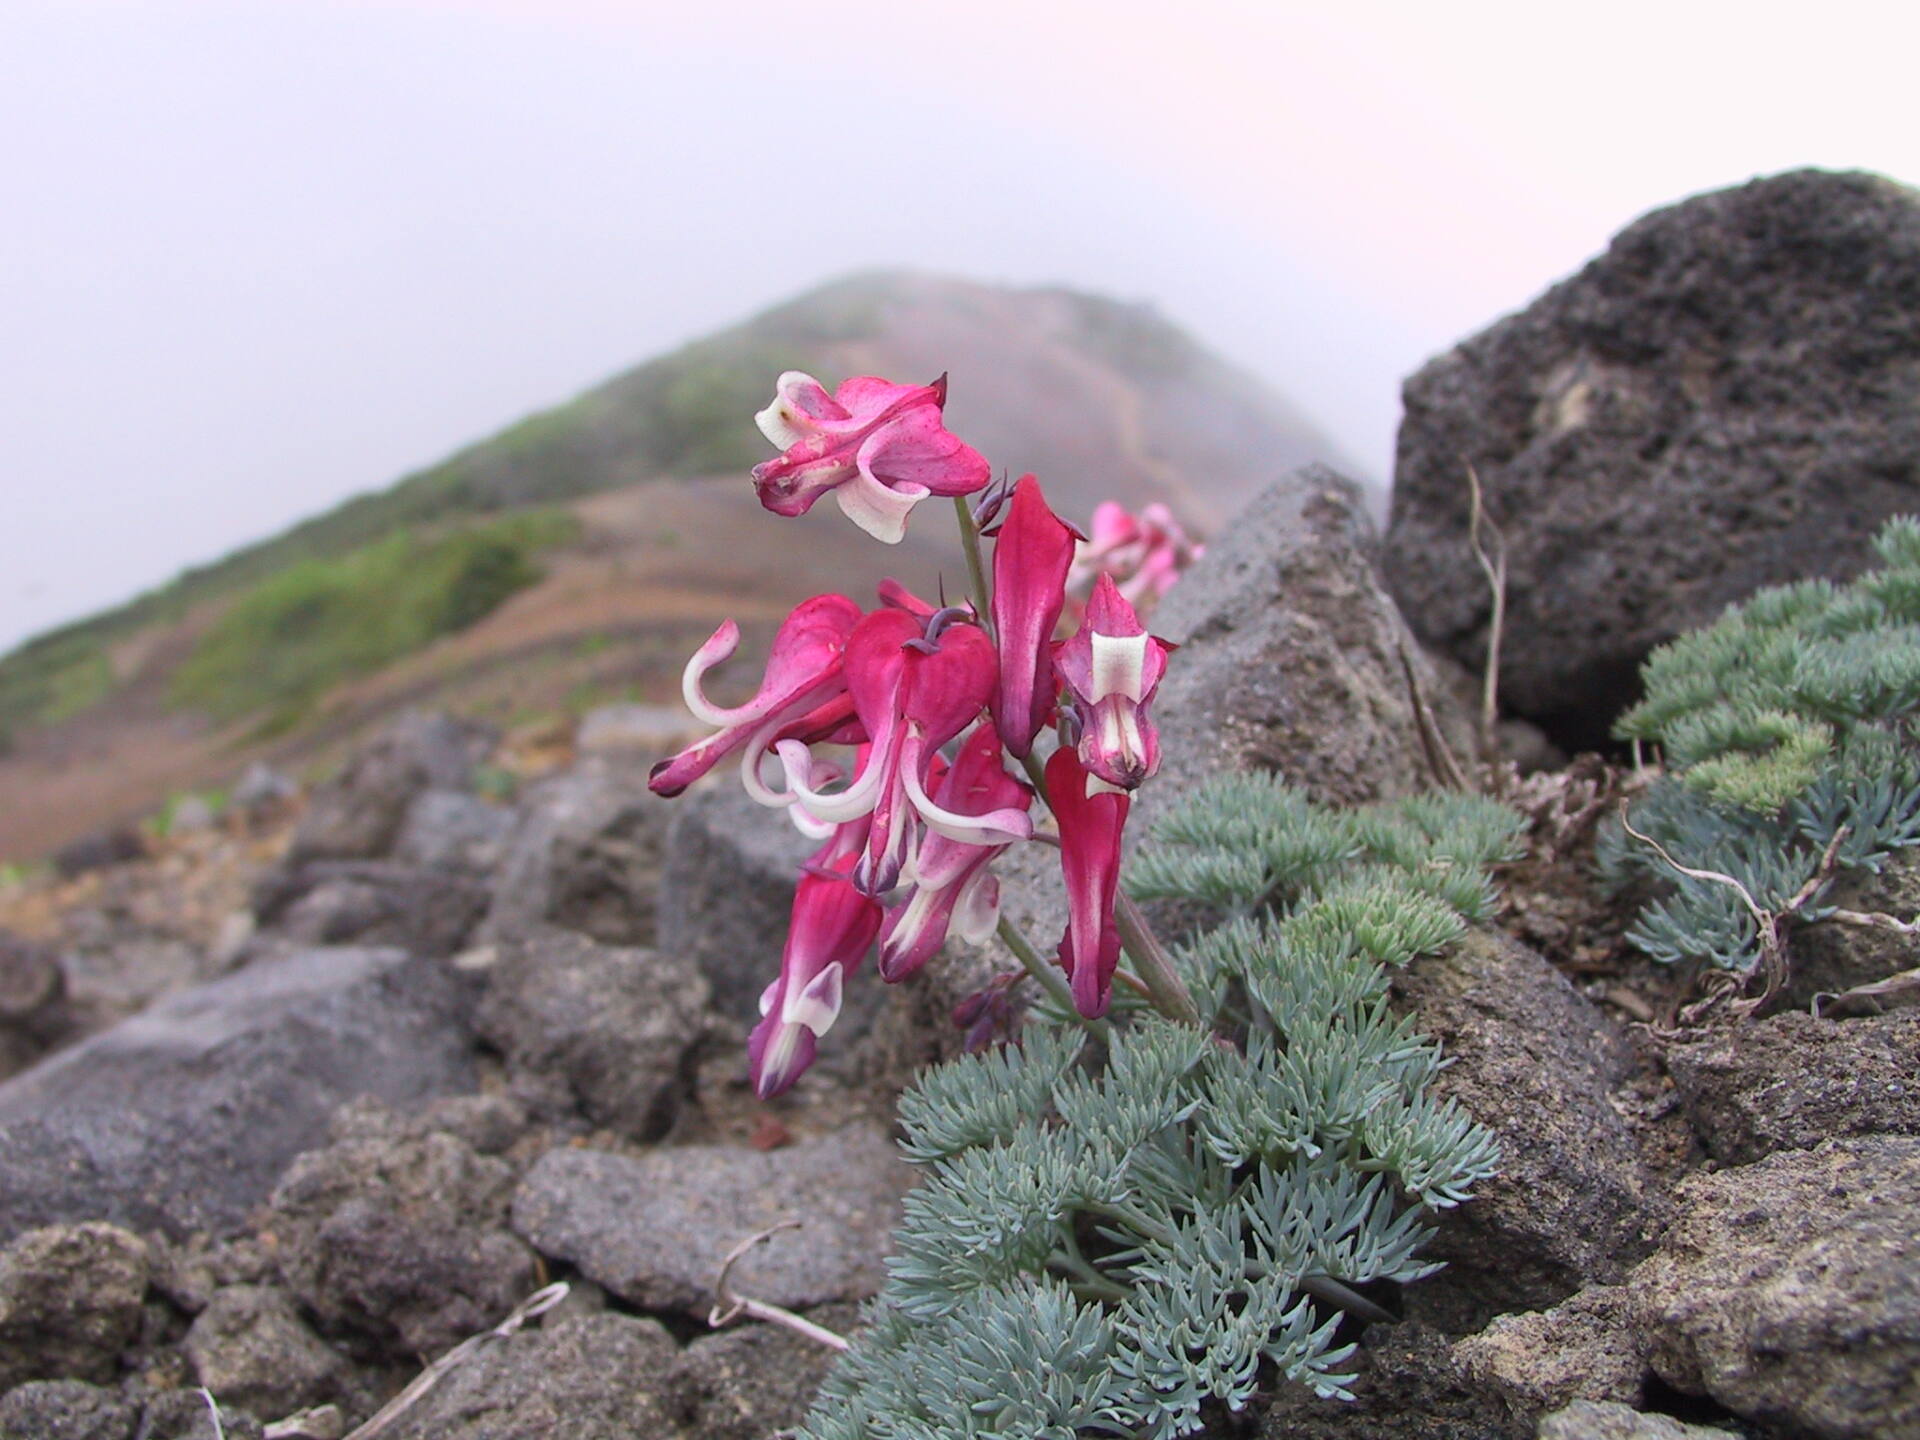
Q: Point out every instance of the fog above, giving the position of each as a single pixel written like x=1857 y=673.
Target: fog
x=256 y=258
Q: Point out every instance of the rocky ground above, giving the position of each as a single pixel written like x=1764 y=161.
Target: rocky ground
x=321 y=1090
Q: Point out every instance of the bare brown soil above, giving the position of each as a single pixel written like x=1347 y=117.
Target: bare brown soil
x=655 y=568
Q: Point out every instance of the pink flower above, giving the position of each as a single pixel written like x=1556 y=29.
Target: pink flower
x=881 y=448
x=831 y=928
x=1111 y=668
x=802 y=694
x=1144 y=554
x=1031 y=555
x=915 y=685
x=1091 y=817
x=949 y=884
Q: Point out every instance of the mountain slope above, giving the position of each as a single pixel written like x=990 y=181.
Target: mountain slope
x=1101 y=399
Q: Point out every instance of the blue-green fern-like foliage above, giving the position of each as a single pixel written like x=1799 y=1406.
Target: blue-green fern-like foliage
x=1112 y=1232
x=1786 y=722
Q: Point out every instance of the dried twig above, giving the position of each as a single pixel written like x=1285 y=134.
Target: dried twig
x=1905 y=982
x=1771 y=925
x=213 y=1409
x=1440 y=761
x=731 y=1307
x=1495 y=569
x=534 y=1305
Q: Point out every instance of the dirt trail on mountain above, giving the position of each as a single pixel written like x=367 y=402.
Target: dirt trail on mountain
x=655 y=567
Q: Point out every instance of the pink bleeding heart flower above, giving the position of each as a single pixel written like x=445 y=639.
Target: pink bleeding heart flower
x=1145 y=553
x=1111 y=667
x=950 y=886
x=1091 y=817
x=803 y=680
x=880 y=448
x=915 y=684
x=831 y=928
x=1032 y=553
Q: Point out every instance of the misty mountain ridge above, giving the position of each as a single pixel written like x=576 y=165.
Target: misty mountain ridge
x=640 y=532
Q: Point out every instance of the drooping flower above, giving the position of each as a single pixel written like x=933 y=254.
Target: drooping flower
x=950 y=888
x=1111 y=668
x=880 y=448
x=831 y=928
x=1090 y=828
x=915 y=685
x=1145 y=553
x=1031 y=555
x=803 y=680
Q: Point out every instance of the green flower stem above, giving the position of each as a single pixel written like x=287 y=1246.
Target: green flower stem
x=976 y=568
x=1165 y=988
x=1049 y=978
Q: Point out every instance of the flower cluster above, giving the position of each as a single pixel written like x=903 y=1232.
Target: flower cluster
x=1144 y=553
x=939 y=706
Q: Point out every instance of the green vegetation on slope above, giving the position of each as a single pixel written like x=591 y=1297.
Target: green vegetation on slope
x=296 y=634
x=679 y=414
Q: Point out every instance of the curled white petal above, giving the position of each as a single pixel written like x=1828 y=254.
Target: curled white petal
x=976 y=910
x=817 y=1005
x=856 y=800
x=717 y=651
x=997 y=827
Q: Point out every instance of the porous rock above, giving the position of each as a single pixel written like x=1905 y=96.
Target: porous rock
x=251 y=1348
x=655 y=1228
x=1533 y=1062
x=358 y=814
x=454 y=830
x=1726 y=399
x=67 y=1410
x=185 y=1415
x=730 y=872
x=1829 y=958
x=595 y=1029
x=416 y=908
x=1789 y=1290
x=181 y=1118
x=398 y=1232
x=586 y=855
x=70 y=1299
x=587 y=1377
x=1408 y=1388
x=1581 y=1349
x=753 y=1380
x=1790 y=1081
x=1611 y=1420
x=33 y=1015
x=1290 y=656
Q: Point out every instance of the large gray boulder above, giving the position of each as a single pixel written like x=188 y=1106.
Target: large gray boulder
x=1728 y=398
x=1789 y=1290
x=182 y=1118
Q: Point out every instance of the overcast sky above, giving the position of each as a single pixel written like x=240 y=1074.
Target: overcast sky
x=257 y=257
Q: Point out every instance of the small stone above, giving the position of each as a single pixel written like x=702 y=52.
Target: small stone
x=1610 y=1420
x=596 y=1029
x=66 y=1410
x=400 y=1235
x=185 y=1415
x=754 y=1380
x=587 y=1377
x=251 y=1348
x=70 y=1298
x=1584 y=1348
x=654 y=1229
